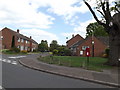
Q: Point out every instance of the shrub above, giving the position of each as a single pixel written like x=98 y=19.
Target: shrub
x=55 y=52
x=107 y=51
x=35 y=50
x=14 y=49
x=5 y=50
x=24 y=51
x=67 y=52
x=104 y=56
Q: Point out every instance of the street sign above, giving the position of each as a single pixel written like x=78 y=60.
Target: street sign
x=87 y=52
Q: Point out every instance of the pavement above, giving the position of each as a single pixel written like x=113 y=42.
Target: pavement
x=107 y=77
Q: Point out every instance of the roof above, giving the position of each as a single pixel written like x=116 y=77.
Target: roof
x=77 y=43
x=105 y=40
x=21 y=36
x=74 y=37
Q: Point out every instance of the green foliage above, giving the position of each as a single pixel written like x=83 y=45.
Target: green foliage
x=35 y=50
x=24 y=51
x=43 y=46
x=96 y=30
x=64 y=51
x=5 y=50
x=67 y=52
x=55 y=52
x=53 y=45
x=59 y=50
x=13 y=42
x=14 y=49
x=116 y=7
x=107 y=50
x=95 y=63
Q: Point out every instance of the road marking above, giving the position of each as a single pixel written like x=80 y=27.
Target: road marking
x=0 y=87
x=8 y=61
x=17 y=57
x=4 y=60
x=14 y=62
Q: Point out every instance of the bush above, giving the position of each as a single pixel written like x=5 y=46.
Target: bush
x=16 y=50
x=24 y=51
x=107 y=50
x=67 y=52
x=55 y=52
x=35 y=50
x=5 y=50
x=104 y=56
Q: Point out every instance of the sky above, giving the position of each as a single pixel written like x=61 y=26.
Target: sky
x=46 y=19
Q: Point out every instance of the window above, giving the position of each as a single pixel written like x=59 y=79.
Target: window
x=18 y=46
x=81 y=52
x=18 y=39
x=26 y=48
x=22 y=48
x=74 y=50
x=84 y=47
x=22 y=40
x=1 y=37
x=26 y=41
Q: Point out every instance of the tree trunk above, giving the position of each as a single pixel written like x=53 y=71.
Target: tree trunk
x=114 y=42
x=114 y=54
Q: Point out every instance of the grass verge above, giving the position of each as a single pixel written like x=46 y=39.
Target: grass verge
x=95 y=63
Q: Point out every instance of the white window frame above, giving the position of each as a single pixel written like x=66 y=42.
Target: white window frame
x=81 y=53
x=22 y=40
x=21 y=48
x=26 y=48
x=18 y=46
x=18 y=39
x=84 y=47
x=26 y=41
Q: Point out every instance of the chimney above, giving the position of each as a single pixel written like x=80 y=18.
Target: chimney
x=72 y=35
x=30 y=37
x=17 y=30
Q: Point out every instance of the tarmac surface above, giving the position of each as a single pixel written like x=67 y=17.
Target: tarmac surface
x=107 y=77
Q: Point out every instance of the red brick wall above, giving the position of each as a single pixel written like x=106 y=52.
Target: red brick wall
x=7 y=38
x=74 y=40
x=99 y=47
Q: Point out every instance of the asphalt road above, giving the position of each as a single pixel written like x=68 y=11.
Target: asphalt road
x=18 y=76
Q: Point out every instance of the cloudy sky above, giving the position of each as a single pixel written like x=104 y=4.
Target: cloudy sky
x=46 y=19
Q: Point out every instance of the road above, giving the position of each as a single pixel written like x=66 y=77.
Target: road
x=15 y=75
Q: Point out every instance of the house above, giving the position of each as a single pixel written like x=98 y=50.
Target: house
x=74 y=40
x=97 y=46
x=22 y=42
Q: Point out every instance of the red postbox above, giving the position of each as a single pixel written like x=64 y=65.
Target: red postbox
x=87 y=52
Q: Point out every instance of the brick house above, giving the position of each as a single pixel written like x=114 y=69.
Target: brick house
x=97 y=48
x=22 y=42
x=74 y=40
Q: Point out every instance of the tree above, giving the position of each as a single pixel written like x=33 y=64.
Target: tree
x=111 y=25
x=43 y=46
x=53 y=45
x=13 y=42
x=96 y=30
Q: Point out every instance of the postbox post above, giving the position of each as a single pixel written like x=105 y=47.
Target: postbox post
x=88 y=55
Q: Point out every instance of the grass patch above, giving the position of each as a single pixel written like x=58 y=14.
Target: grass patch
x=95 y=63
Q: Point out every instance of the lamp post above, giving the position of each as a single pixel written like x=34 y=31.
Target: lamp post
x=93 y=48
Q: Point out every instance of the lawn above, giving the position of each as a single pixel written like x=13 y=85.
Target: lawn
x=95 y=63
